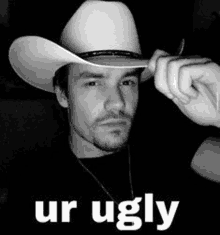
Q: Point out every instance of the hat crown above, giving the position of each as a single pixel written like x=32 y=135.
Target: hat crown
x=100 y=25
x=97 y=28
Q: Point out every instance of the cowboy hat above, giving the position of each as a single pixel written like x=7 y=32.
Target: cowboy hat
x=98 y=29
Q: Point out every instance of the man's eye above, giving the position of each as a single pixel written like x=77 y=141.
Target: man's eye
x=129 y=83
x=92 y=83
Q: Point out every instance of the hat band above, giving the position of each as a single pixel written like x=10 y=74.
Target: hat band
x=128 y=54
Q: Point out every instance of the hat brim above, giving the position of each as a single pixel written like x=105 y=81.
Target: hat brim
x=36 y=59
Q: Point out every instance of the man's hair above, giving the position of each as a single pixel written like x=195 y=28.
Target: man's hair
x=60 y=79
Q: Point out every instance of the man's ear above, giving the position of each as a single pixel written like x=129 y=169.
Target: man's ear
x=61 y=97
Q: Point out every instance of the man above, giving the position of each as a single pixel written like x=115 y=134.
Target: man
x=97 y=79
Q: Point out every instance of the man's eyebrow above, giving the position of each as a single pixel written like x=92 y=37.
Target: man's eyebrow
x=134 y=72
x=87 y=74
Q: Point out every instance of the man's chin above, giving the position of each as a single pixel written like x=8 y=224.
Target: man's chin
x=110 y=148
x=110 y=145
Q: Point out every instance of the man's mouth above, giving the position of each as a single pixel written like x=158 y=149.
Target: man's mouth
x=114 y=123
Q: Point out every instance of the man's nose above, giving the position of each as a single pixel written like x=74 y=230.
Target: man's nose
x=115 y=100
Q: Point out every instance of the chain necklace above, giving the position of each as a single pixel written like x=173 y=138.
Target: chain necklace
x=102 y=186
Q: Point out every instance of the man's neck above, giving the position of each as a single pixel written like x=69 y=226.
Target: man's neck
x=83 y=149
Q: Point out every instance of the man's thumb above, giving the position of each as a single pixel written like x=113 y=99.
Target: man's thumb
x=153 y=61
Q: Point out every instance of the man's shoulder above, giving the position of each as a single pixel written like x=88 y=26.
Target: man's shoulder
x=45 y=166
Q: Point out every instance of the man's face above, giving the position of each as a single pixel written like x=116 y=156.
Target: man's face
x=102 y=103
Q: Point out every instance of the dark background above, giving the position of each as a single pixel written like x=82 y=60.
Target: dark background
x=31 y=119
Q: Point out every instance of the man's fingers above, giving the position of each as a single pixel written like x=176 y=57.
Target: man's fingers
x=185 y=84
x=160 y=77
x=179 y=78
x=191 y=74
x=174 y=76
x=203 y=70
x=173 y=73
x=158 y=66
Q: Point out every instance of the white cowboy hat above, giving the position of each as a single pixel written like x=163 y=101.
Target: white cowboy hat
x=103 y=29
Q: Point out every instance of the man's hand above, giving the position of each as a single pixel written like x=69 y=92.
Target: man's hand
x=192 y=83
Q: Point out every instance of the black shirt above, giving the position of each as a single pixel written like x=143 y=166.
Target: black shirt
x=56 y=175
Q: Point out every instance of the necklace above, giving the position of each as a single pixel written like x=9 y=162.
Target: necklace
x=102 y=186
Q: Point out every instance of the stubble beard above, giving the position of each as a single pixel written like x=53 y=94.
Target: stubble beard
x=113 y=141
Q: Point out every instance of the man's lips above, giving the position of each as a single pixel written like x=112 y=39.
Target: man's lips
x=115 y=123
